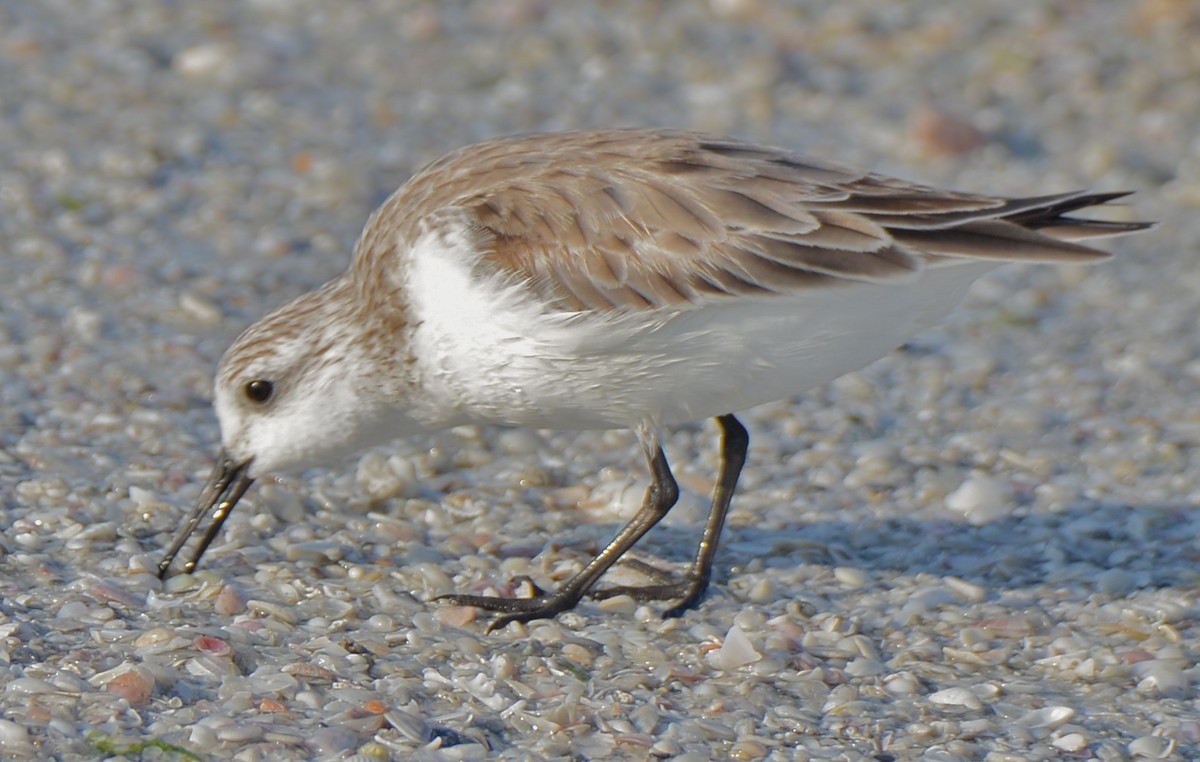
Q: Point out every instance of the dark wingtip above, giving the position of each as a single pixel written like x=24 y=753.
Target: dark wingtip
x=1053 y=219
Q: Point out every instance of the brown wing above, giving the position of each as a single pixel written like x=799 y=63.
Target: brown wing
x=644 y=219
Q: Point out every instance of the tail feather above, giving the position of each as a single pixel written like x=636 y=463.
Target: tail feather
x=1052 y=219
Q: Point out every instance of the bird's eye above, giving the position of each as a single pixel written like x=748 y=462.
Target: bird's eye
x=259 y=390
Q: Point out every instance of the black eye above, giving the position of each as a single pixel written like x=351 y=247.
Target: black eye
x=259 y=390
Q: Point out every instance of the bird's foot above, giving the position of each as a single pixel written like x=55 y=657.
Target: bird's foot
x=542 y=605
x=685 y=591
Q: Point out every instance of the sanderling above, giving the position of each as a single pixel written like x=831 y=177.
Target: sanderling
x=611 y=279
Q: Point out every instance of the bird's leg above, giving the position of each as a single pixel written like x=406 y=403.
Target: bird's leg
x=687 y=592
x=660 y=496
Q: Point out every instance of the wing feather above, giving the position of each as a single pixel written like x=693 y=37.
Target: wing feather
x=646 y=219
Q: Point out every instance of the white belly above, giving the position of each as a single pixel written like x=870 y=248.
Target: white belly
x=728 y=358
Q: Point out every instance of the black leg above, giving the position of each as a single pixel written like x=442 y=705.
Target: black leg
x=661 y=495
x=734 y=444
x=687 y=592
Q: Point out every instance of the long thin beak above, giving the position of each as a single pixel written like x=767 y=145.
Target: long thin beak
x=229 y=481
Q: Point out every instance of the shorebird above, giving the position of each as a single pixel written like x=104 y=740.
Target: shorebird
x=611 y=279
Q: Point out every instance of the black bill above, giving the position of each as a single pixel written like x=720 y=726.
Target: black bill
x=229 y=481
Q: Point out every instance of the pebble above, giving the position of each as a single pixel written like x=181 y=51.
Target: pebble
x=330 y=742
x=981 y=500
x=205 y=61
x=239 y=733
x=14 y=739
x=229 y=601
x=851 y=577
x=863 y=667
x=735 y=651
x=409 y=725
x=73 y=611
x=1115 y=582
x=1162 y=678
x=30 y=686
x=902 y=684
x=135 y=685
x=202 y=737
x=1151 y=747
x=212 y=646
x=385 y=477
x=199 y=309
x=1070 y=742
x=1046 y=718
x=745 y=751
x=956 y=697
